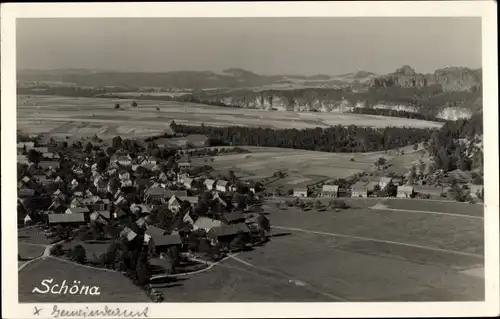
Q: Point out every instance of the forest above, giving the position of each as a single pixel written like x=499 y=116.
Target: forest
x=344 y=139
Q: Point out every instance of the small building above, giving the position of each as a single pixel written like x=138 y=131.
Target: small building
x=405 y=191
x=193 y=200
x=300 y=192
x=45 y=165
x=384 y=182
x=330 y=191
x=71 y=219
x=359 y=189
x=174 y=204
x=221 y=186
x=234 y=217
x=25 y=193
x=163 y=243
x=206 y=223
x=77 y=210
x=183 y=165
x=476 y=190
x=25 y=145
x=225 y=233
x=100 y=217
x=128 y=234
x=153 y=231
x=209 y=184
x=187 y=182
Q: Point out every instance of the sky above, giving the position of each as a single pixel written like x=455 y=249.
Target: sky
x=304 y=46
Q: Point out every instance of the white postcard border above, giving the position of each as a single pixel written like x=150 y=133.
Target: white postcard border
x=485 y=9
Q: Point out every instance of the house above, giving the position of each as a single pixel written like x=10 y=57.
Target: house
x=141 y=222
x=155 y=194
x=234 y=217
x=78 y=194
x=25 y=145
x=124 y=175
x=187 y=182
x=41 y=150
x=193 y=200
x=74 y=184
x=162 y=177
x=405 y=191
x=206 y=223
x=119 y=213
x=225 y=232
x=153 y=231
x=221 y=186
x=187 y=219
x=25 y=192
x=67 y=219
x=77 y=210
x=475 y=190
x=183 y=165
x=76 y=202
x=209 y=184
x=174 y=204
x=128 y=234
x=384 y=182
x=127 y=183
x=50 y=155
x=163 y=243
x=22 y=159
x=359 y=189
x=101 y=184
x=49 y=165
x=330 y=191
x=300 y=192
x=220 y=200
x=120 y=201
x=27 y=219
x=100 y=217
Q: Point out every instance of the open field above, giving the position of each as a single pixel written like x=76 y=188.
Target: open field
x=302 y=166
x=32 y=235
x=352 y=255
x=89 y=116
x=30 y=251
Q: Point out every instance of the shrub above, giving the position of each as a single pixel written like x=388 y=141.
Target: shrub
x=338 y=203
x=57 y=250
x=77 y=254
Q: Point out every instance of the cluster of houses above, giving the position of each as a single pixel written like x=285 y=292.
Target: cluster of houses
x=97 y=195
x=362 y=189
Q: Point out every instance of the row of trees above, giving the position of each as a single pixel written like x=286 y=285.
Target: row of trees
x=334 y=139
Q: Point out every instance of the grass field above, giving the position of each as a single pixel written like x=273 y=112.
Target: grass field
x=27 y=251
x=89 y=116
x=32 y=235
x=302 y=166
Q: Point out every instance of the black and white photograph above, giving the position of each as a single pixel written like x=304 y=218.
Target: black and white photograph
x=230 y=159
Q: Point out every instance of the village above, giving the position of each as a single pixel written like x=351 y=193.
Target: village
x=150 y=212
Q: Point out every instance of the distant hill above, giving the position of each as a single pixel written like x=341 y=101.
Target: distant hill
x=447 y=93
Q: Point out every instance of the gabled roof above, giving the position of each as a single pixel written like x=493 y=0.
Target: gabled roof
x=167 y=240
x=222 y=183
x=385 y=179
x=190 y=199
x=154 y=231
x=25 y=192
x=360 y=187
x=300 y=190
x=49 y=164
x=209 y=181
x=405 y=188
x=77 y=210
x=206 y=223
x=228 y=230
x=128 y=233
x=234 y=216
x=66 y=218
x=330 y=188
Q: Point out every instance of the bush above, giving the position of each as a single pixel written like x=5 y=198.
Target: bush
x=77 y=254
x=57 y=250
x=337 y=203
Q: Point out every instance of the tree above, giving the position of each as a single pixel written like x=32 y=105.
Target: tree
x=117 y=142
x=88 y=148
x=142 y=269
x=415 y=146
x=117 y=106
x=380 y=162
x=102 y=163
x=34 y=156
x=57 y=250
x=78 y=254
x=134 y=104
x=458 y=193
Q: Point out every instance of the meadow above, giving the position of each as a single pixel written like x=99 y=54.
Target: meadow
x=77 y=116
